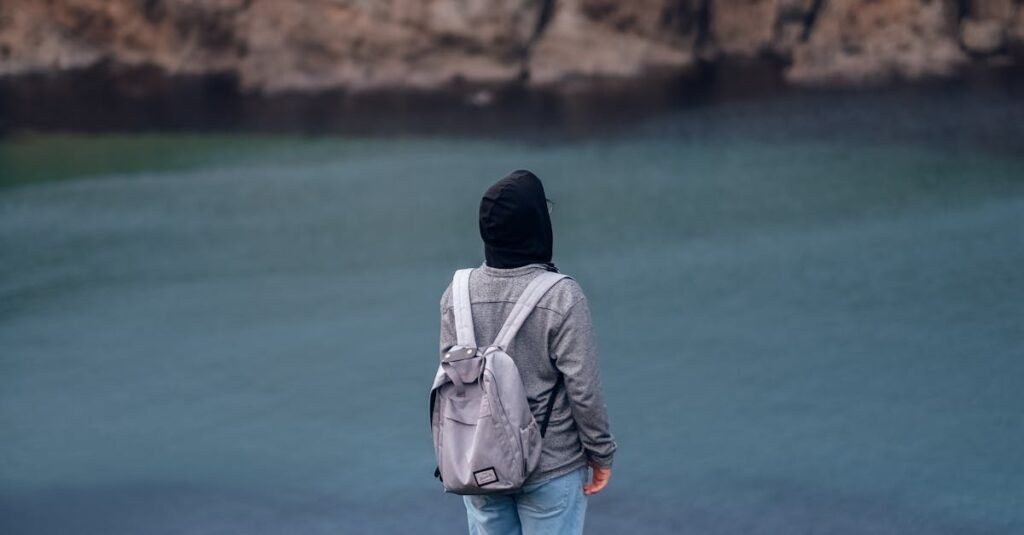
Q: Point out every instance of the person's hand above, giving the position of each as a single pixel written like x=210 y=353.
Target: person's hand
x=599 y=481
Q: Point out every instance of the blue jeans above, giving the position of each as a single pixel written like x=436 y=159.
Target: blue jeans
x=556 y=506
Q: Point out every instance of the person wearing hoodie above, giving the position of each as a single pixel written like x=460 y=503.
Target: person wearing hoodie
x=556 y=344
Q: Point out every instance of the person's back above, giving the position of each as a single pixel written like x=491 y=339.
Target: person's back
x=555 y=343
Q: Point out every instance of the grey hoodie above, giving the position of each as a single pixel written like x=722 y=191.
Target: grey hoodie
x=556 y=337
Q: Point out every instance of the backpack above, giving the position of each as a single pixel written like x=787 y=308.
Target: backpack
x=485 y=436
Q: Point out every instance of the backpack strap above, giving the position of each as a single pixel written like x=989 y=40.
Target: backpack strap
x=524 y=306
x=464 y=334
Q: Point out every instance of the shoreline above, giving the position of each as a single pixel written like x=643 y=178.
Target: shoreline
x=114 y=98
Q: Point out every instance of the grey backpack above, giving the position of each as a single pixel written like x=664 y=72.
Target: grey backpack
x=485 y=437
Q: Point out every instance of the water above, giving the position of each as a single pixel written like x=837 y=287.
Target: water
x=810 y=317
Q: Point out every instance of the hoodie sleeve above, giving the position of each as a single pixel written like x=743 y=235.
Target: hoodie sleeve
x=447 y=322
x=575 y=354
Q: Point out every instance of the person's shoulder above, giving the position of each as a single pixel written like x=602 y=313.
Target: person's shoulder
x=446 y=297
x=564 y=295
x=569 y=285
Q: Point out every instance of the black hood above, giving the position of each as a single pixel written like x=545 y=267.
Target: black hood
x=514 y=222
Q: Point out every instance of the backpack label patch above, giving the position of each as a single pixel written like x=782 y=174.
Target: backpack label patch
x=485 y=477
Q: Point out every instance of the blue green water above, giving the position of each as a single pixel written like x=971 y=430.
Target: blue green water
x=809 y=321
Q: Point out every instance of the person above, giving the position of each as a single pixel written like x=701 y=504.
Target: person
x=556 y=341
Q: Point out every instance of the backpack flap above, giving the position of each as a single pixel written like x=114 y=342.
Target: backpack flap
x=462 y=365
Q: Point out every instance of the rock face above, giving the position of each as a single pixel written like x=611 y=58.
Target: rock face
x=382 y=43
x=1015 y=33
x=310 y=45
x=274 y=45
x=868 y=40
x=982 y=36
x=613 y=38
x=749 y=28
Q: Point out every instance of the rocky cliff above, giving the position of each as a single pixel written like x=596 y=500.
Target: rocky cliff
x=308 y=45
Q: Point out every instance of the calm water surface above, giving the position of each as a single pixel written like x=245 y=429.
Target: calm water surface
x=810 y=313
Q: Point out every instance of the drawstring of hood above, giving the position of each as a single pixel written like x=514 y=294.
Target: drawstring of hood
x=514 y=223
